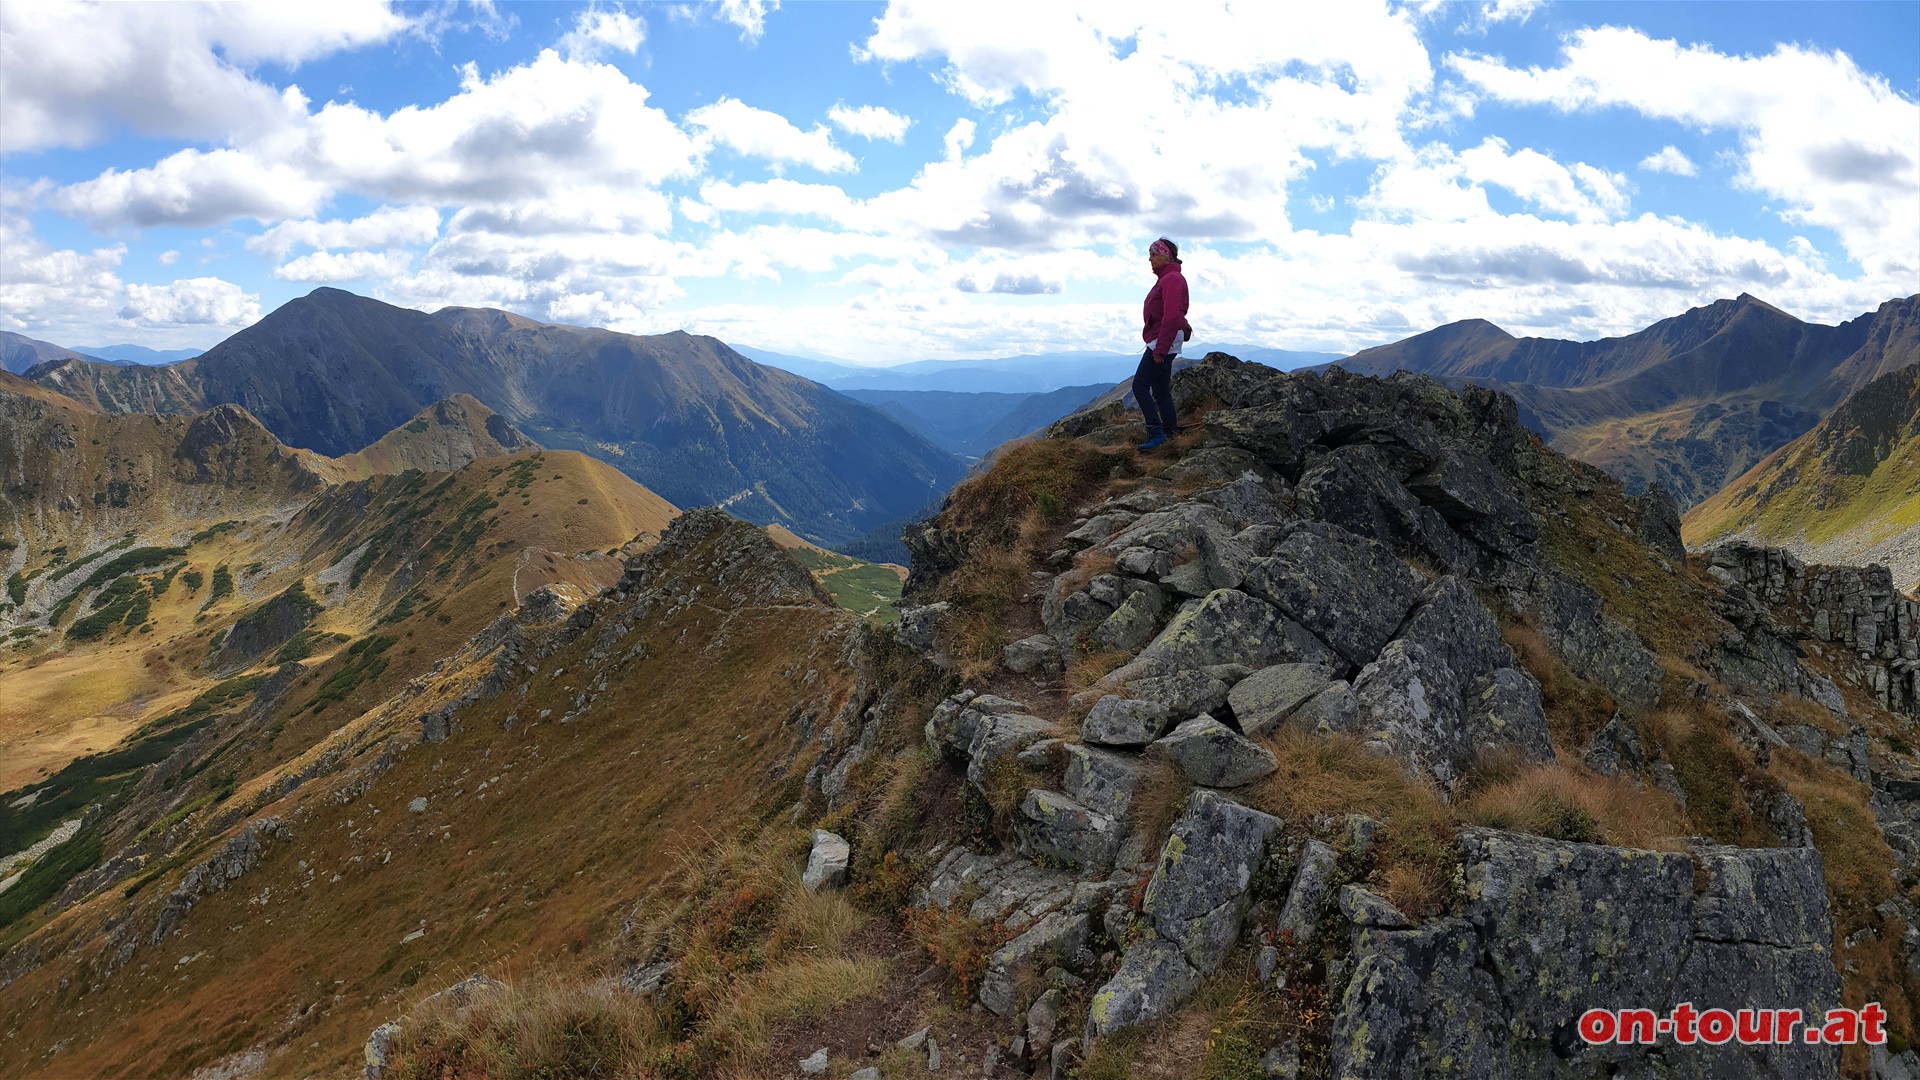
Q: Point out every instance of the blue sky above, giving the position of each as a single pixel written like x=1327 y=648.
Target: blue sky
x=884 y=182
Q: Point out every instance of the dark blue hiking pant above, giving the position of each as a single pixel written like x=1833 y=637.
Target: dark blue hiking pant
x=1153 y=389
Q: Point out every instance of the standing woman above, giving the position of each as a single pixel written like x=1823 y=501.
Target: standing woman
x=1165 y=316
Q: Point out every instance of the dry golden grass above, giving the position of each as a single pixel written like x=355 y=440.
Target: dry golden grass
x=1044 y=477
x=1859 y=875
x=1794 y=709
x=1159 y=794
x=961 y=946
x=1007 y=513
x=1091 y=564
x=804 y=986
x=1570 y=803
x=1085 y=668
x=539 y=1027
x=982 y=592
x=1575 y=708
x=1715 y=772
x=1326 y=775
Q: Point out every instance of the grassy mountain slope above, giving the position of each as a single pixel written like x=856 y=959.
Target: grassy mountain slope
x=1690 y=402
x=1846 y=492
x=687 y=416
x=133 y=546
x=441 y=437
x=544 y=819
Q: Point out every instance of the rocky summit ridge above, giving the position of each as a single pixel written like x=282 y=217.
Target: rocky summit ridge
x=1338 y=555
x=1358 y=733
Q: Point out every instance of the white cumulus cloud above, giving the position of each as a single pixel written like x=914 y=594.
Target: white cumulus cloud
x=1837 y=146
x=598 y=30
x=386 y=226
x=191 y=301
x=73 y=74
x=753 y=132
x=518 y=135
x=336 y=266
x=749 y=15
x=1669 y=160
x=870 y=122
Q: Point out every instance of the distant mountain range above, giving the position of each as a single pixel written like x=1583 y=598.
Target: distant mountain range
x=137 y=354
x=1029 y=373
x=687 y=416
x=1847 y=492
x=19 y=352
x=972 y=424
x=1690 y=402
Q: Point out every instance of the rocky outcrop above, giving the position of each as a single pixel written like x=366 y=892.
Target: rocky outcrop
x=240 y=855
x=1855 y=613
x=1193 y=909
x=1552 y=929
x=1341 y=554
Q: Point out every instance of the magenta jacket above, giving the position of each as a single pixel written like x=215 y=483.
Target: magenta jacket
x=1165 y=313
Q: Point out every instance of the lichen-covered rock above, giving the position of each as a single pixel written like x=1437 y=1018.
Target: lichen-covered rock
x=1312 y=888
x=1198 y=894
x=1615 y=748
x=1773 y=896
x=1230 y=627
x=1174 y=528
x=1037 y=653
x=1407 y=705
x=982 y=729
x=378 y=1052
x=1194 y=907
x=1153 y=980
x=1053 y=827
x=1446 y=690
x=1417 y=1006
x=1568 y=927
x=1350 y=592
x=1098 y=528
x=1364 y=908
x=1069 y=613
x=1118 y=721
x=918 y=625
x=1264 y=699
x=1184 y=694
x=1353 y=489
x=1471 y=495
x=998 y=737
x=1503 y=714
x=1331 y=709
x=1132 y=624
x=1248 y=501
x=1593 y=646
x=1457 y=630
x=1060 y=934
x=1101 y=780
x=1214 y=755
x=1553 y=929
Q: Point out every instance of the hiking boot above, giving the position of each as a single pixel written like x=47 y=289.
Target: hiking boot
x=1155 y=440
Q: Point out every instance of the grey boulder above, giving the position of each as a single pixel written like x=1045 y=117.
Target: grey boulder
x=1214 y=755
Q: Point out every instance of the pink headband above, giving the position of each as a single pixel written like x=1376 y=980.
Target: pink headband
x=1161 y=247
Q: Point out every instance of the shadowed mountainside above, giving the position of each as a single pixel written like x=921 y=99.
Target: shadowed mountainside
x=685 y=415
